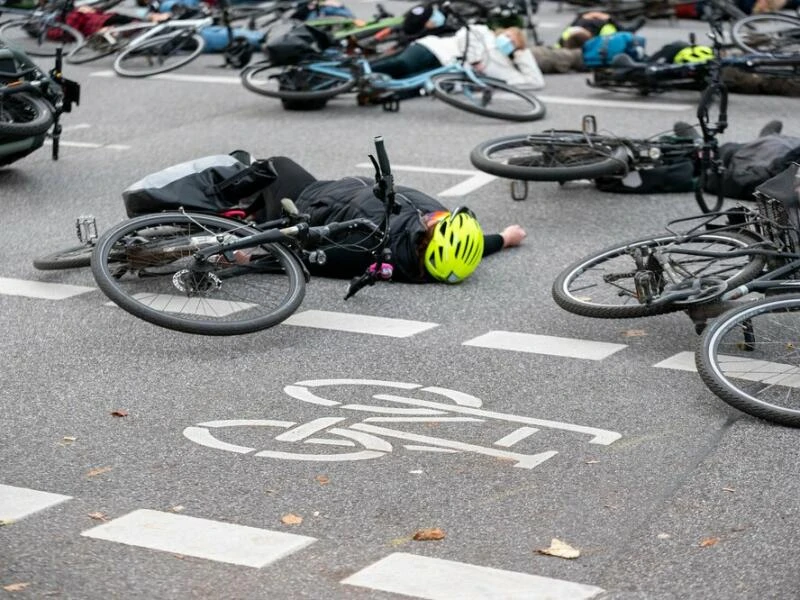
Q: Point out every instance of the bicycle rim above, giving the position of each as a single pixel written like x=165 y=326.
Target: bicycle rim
x=145 y=266
x=158 y=55
x=487 y=98
x=553 y=156
x=750 y=358
x=293 y=82
x=603 y=285
x=38 y=39
x=766 y=34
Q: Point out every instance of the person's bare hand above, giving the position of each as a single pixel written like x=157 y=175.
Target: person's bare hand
x=513 y=236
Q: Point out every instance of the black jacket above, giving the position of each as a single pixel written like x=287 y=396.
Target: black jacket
x=351 y=198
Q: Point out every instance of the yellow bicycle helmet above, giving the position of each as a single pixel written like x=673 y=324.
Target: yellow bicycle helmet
x=692 y=54
x=456 y=247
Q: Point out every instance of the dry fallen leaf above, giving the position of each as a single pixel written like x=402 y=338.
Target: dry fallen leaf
x=708 y=542
x=16 y=587
x=177 y=508
x=634 y=333
x=98 y=516
x=120 y=412
x=322 y=479
x=727 y=489
x=424 y=535
x=98 y=471
x=4 y=522
x=560 y=549
x=68 y=439
x=291 y=519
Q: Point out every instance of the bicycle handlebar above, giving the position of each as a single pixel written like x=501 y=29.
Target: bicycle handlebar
x=383 y=159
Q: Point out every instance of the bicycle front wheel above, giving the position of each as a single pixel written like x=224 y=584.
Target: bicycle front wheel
x=162 y=53
x=37 y=38
x=750 y=358
x=767 y=34
x=550 y=156
x=23 y=115
x=487 y=98
x=70 y=258
x=294 y=82
x=604 y=285
x=146 y=266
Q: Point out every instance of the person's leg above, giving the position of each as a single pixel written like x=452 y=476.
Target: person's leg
x=291 y=179
x=415 y=59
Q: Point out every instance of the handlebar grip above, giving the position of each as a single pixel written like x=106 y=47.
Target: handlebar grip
x=383 y=158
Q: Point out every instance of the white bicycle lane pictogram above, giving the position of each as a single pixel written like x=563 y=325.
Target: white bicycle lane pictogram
x=370 y=433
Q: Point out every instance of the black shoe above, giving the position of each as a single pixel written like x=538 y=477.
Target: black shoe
x=773 y=127
x=684 y=130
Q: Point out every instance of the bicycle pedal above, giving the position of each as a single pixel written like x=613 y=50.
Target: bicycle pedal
x=86 y=229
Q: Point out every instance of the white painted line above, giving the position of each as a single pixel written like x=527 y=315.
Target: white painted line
x=178 y=77
x=470 y=185
x=322 y=319
x=413 y=169
x=202 y=538
x=40 y=289
x=438 y=579
x=682 y=361
x=88 y=145
x=545 y=344
x=516 y=436
x=17 y=503
x=594 y=102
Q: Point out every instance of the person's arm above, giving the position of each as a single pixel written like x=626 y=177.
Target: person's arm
x=508 y=238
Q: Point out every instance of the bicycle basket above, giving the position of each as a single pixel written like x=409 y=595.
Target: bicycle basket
x=779 y=206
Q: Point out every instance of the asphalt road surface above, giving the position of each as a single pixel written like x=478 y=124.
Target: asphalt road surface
x=300 y=462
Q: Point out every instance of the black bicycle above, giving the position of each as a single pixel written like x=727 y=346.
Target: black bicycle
x=31 y=104
x=209 y=275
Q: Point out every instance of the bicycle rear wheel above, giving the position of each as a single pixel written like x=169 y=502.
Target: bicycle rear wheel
x=162 y=53
x=604 y=285
x=487 y=98
x=23 y=115
x=750 y=358
x=767 y=34
x=550 y=156
x=146 y=266
x=294 y=82
x=37 y=38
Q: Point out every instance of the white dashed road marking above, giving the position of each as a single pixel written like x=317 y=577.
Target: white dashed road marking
x=17 y=503
x=545 y=344
x=683 y=361
x=39 y=289
x=202 y=538
x=355 y=323
x=438 y=579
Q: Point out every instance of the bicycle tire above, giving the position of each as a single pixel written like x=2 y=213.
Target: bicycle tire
x=181 y=46
x=92 y=48
x=613 y=282
x=293 y=82
x=24 y=115
x=144 y=266
x=22 y=34
x=490 y=98
x=747 y=37
x=69 y=258
x=554 y=156
x=748 y=358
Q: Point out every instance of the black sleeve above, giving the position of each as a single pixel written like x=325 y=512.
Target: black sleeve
x=492 y=242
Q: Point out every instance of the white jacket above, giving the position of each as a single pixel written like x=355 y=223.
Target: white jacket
x=519 y=70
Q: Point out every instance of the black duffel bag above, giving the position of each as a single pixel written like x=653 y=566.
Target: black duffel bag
x=211 y=184
x=301 y=42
